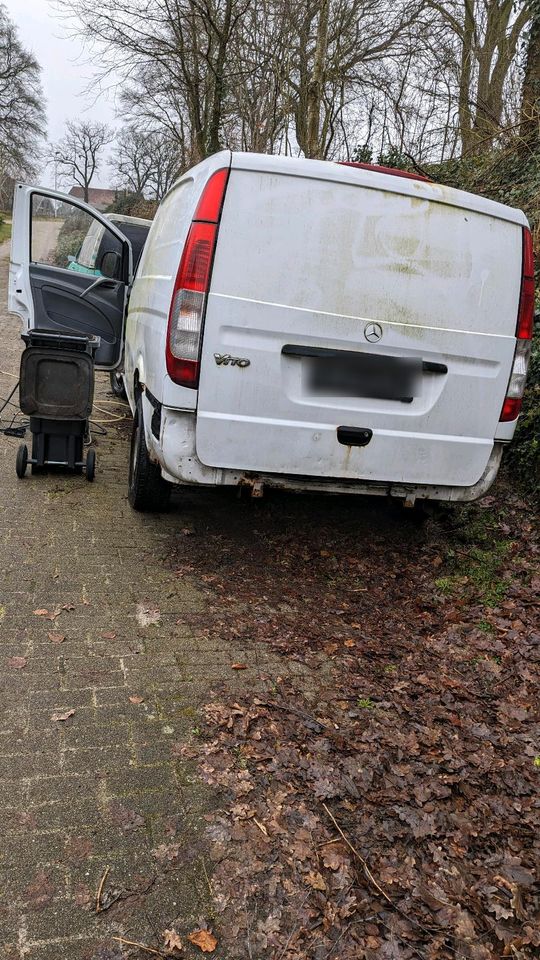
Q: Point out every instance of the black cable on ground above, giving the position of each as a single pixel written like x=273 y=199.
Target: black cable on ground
x=5 y=403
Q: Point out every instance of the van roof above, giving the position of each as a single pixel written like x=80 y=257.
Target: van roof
x=374 y=179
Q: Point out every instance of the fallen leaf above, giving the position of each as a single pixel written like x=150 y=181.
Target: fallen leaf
x=334 y=857
x=136 y=699
x=172 y=941
x=63 y=716
x=350 y=643
x=56 y=637
x=167 y=852
x=203 y=939
x=53 y=615
x=41 y=613
x=124 y=817
x=108 y=635
x=315 y=880
x=238 y=666
x=67 y=606
x=18 y=663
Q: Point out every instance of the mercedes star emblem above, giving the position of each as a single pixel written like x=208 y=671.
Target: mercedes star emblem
x=373 y=332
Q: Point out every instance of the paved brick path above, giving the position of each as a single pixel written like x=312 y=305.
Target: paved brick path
x=102 y=788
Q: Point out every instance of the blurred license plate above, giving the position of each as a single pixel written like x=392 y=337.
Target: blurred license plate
x=365 y=375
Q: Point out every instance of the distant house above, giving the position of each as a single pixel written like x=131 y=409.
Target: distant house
x=100 y=199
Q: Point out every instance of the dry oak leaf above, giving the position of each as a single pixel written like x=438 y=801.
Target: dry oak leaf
x=238 y=666
x=136 y=699
x=56 y=637
x=41 y=613
x=172 y=941
x=315 y=880
x=63 y=716
x=18 y=663
x=203 y=939
x=108 y=635
x=333 y=857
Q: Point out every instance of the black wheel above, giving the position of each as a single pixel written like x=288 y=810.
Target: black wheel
x=117 y=384
x=22 y=460
x=90 y=465
x=147 y=490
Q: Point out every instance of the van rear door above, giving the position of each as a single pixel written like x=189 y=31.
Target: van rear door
x=359 y=326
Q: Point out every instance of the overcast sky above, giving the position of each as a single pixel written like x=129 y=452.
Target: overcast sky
x=65 y=72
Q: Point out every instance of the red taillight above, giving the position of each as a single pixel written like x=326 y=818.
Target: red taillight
x=188 y=302
x=526 y=300
x=511 y=409
x=211 y=202
x=524 y=331
x=194 y=269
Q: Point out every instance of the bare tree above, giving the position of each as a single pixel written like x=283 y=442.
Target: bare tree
x=132 y=161
x=22 y=111
x=146 y=162
x=174 y=57
x=78 y=154
x=429 y=78
x=338 y=45
x=487 y=33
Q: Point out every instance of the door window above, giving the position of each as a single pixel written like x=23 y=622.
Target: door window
x=63 y=235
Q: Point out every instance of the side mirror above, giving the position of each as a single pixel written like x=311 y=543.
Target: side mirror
x=109 y=265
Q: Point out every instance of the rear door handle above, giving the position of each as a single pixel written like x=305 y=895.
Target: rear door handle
x=354 y=436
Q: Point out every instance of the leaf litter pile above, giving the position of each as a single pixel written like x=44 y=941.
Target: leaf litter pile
x=380 y=790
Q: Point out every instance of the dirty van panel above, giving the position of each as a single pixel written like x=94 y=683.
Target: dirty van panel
x=344 y=270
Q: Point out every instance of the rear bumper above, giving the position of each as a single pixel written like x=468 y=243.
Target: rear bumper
x=180 y=464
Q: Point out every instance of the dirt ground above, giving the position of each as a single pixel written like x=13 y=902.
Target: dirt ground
x=183 y=783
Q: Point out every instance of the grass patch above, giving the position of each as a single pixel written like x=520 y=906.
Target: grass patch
x=477 y=558
x=5 y=232
x=366 y=703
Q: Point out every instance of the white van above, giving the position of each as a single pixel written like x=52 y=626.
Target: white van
x=305 y=324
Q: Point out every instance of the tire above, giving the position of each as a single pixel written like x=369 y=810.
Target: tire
x=90 y=465
x=22 y=460
x=117 y=384
x=148 y=492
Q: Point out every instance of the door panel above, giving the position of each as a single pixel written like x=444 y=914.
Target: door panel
x=59 y=307
x=70 y=269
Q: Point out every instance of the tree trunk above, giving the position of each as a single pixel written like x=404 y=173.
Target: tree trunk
x=316 y=85
x=465 y=118
x=214 y=131
x=530 y=103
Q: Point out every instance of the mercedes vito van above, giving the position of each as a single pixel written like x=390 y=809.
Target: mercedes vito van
x=304 y=324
